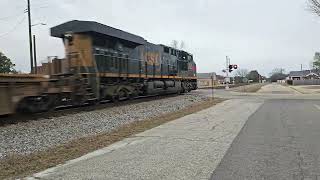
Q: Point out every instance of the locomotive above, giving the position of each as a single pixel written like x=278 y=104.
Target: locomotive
x=105 y=63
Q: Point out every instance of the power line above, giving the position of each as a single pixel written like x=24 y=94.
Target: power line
x=11 y=16
x=40 y=5
x=14 y=27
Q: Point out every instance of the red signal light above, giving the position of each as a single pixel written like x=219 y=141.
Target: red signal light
x=235 y=66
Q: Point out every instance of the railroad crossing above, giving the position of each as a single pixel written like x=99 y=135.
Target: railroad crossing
x=246 y=137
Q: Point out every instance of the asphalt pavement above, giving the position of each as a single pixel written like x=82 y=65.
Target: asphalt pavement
x=279 y=141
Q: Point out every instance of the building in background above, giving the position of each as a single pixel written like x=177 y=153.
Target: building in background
x=304 y=75
x=205 y=79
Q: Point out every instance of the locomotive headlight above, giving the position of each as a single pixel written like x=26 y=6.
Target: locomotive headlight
x=69 y=38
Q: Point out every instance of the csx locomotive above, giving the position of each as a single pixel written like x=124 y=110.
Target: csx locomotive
x=101 y=63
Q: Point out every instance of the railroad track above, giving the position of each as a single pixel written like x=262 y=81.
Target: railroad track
x=69 y=110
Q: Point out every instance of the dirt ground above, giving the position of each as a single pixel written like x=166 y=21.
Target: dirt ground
x=20 y=166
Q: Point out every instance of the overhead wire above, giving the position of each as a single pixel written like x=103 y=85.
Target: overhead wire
x=18 y=8
x=11 y=16
x=14 y=27
x=36 y=6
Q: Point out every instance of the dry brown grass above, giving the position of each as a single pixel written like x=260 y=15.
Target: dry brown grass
x=249 y=88
x=19 y=166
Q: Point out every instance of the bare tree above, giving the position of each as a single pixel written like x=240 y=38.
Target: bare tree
x=314 y=6
x=316 y=61
x=278 y=74
x=174 y=44
x=182 y=45
x=178 y=45
x=278 y=71
x=242 y=72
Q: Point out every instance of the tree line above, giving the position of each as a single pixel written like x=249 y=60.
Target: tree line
x=314 y=7
x=243 y=76
x=6 y=65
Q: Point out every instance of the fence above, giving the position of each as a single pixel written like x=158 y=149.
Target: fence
x=305 y=82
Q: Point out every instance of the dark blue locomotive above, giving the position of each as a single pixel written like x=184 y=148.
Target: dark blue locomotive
x=114 y=64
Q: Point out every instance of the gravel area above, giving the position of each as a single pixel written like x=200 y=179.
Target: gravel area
x=28 y=137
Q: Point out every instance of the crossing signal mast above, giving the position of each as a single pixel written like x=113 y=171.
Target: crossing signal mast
x=229 y=68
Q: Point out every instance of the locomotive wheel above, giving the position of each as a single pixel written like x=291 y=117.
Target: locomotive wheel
x=133 y=95
x=79 y=100
x=184 y=88
x=123 y=95
x=93 y=101
x=114 y=99
x=34 y=104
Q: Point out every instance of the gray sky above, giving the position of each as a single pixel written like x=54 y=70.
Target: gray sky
x=256 y=34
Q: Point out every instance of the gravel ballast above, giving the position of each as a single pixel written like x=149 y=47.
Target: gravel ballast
x=28 y=137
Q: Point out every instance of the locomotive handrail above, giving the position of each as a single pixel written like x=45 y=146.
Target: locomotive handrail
x=127 y=58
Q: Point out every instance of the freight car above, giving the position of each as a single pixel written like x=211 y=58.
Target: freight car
x=21 y=93
x=105 y=63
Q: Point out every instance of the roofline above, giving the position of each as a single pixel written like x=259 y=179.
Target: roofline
x=77 y=26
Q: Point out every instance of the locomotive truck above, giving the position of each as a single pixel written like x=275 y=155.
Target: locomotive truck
x=101 y=63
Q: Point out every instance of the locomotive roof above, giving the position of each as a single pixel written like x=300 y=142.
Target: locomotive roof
x=77 y=26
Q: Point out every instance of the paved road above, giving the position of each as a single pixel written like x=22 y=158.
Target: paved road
x=272 y=134
x=279 y=141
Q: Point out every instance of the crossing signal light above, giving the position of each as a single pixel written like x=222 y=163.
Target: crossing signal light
x=230 y=68
x=235 y=66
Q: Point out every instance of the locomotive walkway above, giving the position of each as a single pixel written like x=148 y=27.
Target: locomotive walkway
x=187 y=148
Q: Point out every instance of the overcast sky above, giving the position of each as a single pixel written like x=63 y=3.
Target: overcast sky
x=256 y=34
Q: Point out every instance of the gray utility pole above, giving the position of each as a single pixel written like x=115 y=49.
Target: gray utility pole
x=30 y=37
x=227 y=72
x=35 y=55
x=212 y=84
